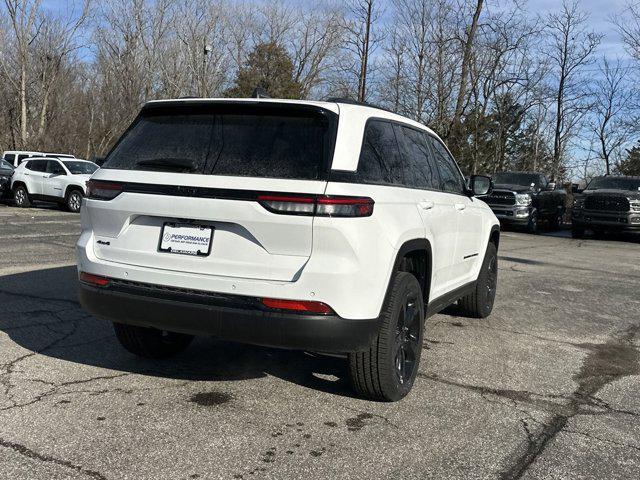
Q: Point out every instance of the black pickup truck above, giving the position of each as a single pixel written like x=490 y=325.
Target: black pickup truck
x=609 y=203
x=6 y=170
x=525 y=198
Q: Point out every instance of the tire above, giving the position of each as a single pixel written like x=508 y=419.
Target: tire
x=479 y=303
x=387 y=371
x=149 y=342
x=73 y=200
x=21 y=197
x=577 y=232
x=532 y=226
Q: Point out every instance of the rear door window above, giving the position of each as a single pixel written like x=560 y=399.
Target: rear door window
x=235 y=140
x=420 y=165
x=22 y=157
x=450 y=178
x=380 y=161
x=54 y=167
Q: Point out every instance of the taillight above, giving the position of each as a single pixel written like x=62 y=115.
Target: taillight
x=95 y=280
x=320 y=205
x=297 y=305
x=98 y=190
x=344 y=206
x=288 y=204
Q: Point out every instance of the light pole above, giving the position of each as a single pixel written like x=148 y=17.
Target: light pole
x=206 y=50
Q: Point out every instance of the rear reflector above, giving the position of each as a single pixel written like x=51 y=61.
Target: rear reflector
x=320 y=206
x=98 y=190
x=95 y=280
x=297 y=305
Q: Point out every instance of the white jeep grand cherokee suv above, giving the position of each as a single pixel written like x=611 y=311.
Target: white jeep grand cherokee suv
x=325 y=226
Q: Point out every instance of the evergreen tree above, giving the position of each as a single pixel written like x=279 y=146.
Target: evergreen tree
x=268 y=66
x=630 y=165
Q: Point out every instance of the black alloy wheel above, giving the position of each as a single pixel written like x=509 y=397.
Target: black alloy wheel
x=407 y=345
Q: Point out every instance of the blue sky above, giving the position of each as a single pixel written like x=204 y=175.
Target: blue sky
x=600 y=12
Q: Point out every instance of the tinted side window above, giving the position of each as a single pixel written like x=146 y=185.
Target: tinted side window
x=21 y=158
x=380 y=161
x=37 y=165
x=450 y=177
x=9 y=157
x=421 y=171
x=54 y=167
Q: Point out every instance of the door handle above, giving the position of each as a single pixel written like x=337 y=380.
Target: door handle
x=27 y=174
x=460 y=206
x=426 y=204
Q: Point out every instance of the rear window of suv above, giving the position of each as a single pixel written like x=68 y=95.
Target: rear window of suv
x=229 y=139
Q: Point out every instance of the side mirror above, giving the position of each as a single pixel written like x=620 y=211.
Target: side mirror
x=480 y=185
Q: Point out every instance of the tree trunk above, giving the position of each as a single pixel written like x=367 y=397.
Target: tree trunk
x=466 y=60
x=23 y=106
x=362 y=90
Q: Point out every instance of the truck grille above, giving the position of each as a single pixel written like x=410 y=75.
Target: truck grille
x=610 y=203
x=501 y=198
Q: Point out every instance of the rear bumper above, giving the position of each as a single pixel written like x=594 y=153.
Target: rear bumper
x=227 y=317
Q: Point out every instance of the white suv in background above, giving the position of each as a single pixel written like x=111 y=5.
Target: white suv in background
x=325 y=226
x=51 y=180
x=16 y=157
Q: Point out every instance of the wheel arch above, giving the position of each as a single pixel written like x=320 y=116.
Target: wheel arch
x=415 y=257
x=72 y=187
x=19 y=183
x=494 y=236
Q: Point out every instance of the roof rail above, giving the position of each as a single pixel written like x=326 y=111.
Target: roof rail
x=351 y=101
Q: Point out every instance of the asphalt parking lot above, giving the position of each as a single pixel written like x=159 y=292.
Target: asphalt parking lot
x=546 y=387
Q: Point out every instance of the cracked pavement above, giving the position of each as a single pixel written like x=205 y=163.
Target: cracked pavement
x=546 y=387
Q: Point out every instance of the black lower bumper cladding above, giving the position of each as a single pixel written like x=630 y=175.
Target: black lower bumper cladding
x=228 y=317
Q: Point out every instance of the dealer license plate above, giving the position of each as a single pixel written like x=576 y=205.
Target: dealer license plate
x=186 y=239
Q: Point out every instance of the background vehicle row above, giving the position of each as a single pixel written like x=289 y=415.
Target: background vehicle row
x=523 y=199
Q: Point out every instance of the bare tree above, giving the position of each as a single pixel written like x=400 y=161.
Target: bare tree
x=25 y=27
x=467 y=47
x=628 y=23
x=571 y=48
x=612 y=101
x=362 y=40
x=411 y=38
x=58 y=40
x=313 y=45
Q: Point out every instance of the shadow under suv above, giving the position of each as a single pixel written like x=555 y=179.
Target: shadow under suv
x=322 y=226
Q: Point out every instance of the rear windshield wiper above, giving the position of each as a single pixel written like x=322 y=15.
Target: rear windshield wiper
x=169 y=164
